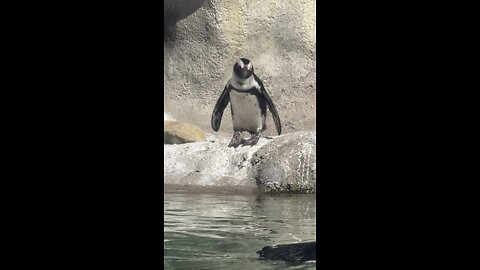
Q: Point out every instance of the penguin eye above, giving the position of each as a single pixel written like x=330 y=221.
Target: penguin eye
x=249 y=66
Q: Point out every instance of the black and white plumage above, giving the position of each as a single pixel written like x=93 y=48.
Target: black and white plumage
x=296 y=252
x=249 y=101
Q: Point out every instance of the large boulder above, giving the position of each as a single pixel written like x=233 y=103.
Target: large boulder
x=178 y=132
x=279 y=38
x=283 y=164
x=289 y=164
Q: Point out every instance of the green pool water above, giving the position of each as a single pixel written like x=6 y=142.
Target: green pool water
x=224 y=231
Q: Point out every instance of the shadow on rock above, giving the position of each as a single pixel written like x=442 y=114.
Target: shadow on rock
x=175 y=10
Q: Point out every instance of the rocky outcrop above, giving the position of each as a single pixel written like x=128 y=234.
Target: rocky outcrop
x=177 y=133
x=289 y=164
x=277 y=36
x=283 y=164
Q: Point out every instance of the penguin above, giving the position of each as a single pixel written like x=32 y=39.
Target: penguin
x=296 y=252
x=248 y=102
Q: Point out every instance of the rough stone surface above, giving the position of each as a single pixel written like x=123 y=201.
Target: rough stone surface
x=279 y=38
x=289 y=164
x=212 y=166
x=178 y=132
x=175 y=10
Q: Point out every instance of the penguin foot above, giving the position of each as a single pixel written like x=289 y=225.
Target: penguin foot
x=252 y=141
x=236 y=140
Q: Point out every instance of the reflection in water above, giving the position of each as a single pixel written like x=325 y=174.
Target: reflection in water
x=215 y=231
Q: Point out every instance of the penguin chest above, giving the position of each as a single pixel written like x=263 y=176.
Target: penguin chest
x=246 y=111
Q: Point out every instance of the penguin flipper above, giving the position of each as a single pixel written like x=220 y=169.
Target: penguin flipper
x=273 y=110
x=222 y=102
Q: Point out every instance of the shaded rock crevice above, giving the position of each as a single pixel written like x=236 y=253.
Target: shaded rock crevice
x=174 y=11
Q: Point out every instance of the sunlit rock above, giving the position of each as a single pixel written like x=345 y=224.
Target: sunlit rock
x=178 y=132
x=288 y=164
x=283 y=164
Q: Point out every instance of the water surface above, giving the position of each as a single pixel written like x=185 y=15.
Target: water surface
x=224 y=231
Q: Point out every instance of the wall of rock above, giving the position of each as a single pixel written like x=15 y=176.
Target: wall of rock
x=205 y=37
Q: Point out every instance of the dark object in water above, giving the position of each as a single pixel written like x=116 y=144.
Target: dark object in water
x=298 y=252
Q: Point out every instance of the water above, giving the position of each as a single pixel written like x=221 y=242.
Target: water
x=224 y=231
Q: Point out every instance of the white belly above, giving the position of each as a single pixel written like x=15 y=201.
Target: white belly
x=246 y=112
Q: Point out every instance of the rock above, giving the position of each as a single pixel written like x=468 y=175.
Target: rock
x=277 y=36
x=289 y=164
x=178 y=133
x=213 y=166
x=209 y=166
x=168 y=117
x=175 y=10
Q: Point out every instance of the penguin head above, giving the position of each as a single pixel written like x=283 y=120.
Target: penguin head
x=243 y=68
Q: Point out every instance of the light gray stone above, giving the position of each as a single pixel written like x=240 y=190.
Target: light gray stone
x=283 y=164
x=288 y=165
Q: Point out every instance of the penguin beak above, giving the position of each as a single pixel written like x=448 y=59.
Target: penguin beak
x=243 y=73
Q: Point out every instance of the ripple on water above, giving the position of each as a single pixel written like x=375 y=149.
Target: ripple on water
x=204 y=231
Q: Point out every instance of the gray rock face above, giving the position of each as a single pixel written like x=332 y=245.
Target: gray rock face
x=287 y=165
x=175 y=10
x=283 y=164
x=277 y=36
